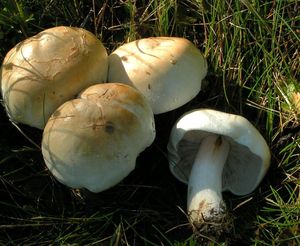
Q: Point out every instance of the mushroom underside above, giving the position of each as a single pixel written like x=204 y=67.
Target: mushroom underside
x=238 y=177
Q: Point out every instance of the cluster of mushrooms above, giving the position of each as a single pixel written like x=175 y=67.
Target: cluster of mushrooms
x=97 y=114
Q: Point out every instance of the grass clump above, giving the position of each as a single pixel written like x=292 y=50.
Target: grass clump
x=252 y=48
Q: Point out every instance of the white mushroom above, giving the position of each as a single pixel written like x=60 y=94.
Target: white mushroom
x=212 y=152
x=92 y=142
x=167 y=70
x=42 y=72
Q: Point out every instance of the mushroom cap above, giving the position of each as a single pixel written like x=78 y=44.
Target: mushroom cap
x=42 y=72
x=167 y=70
x=93 y=141
x=248 y=158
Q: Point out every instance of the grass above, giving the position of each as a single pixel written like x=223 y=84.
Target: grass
x=252 y=48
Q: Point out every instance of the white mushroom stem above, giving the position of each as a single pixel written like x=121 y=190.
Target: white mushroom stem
x=204 y=202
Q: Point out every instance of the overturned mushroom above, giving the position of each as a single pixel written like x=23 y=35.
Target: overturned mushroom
x=212 y=152
x=92 y=142
x=167 y=70
x=42 y=72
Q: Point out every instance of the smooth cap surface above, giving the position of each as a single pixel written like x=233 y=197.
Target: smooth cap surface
x=167 y=70
x=248 y=158
x=42 y=72
x=92 y=142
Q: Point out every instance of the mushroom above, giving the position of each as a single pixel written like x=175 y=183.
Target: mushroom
x=93 y=141
x=42 y=72
x=212 y=151
x=167 y=70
